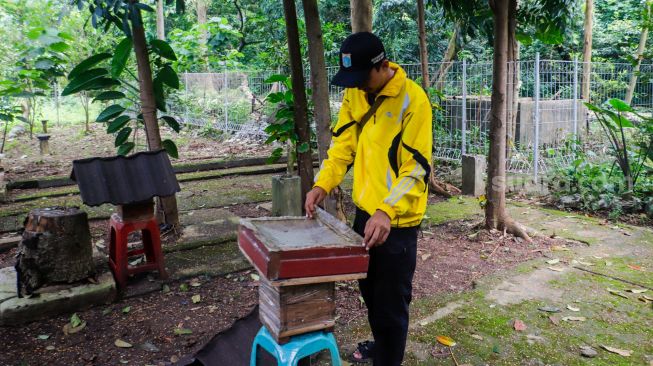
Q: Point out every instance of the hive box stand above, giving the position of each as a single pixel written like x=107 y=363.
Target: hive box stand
x=299 y=261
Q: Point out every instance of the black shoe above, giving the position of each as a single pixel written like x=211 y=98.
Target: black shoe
x=363 y=352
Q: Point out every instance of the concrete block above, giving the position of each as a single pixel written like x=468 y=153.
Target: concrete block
x=51 y=301
x=286 y=196
x=3 y=186
x=473 y=175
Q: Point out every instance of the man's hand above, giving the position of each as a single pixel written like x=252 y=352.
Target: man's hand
x=314 y=197
x=377 y=229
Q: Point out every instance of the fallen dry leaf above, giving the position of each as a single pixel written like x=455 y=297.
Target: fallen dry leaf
x=621 y=352
x=555 y=319
x=616 y=292
x=426 y=256
x=69 y=329
x=447 y=341
x=638 y=290
x=559 y=248
x=556 y=269
x=572 y=308
x=122 y=344
x=553 y=261
x=635 y=267
x=574 y=318
x=478 y=337
x=519 y=325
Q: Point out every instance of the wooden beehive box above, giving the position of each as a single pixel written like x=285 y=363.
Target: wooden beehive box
x=296 y=309
x=299 y=261
x=296 y=247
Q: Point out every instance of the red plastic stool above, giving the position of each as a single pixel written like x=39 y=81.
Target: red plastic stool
x=119 y=253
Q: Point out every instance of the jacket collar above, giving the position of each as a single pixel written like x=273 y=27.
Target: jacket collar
x=394 y=85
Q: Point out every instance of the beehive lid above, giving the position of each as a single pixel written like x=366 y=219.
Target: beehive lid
x=295 y=247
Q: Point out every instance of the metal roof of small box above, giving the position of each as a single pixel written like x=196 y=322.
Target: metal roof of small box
x=121 y=180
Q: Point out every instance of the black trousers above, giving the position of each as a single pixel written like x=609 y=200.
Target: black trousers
x=387 y=290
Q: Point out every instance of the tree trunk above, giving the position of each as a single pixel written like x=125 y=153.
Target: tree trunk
x=361 y=15
x=513 y=80
x=320 y=86
x=305 y=163
x=496 y=216
x=423 y=52
x=56 y=247
x=167 y=206
x=640 y=55
x=83 y=96
x=204 y=37
x=587 y=51
x=449 y=56
x=160 y=20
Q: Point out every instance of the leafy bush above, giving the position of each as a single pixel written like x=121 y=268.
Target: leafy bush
x=624 y=184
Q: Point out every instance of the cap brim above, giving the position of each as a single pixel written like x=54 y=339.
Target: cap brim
x=350 y=79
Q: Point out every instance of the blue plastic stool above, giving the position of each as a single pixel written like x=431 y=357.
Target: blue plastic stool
x=297 y=348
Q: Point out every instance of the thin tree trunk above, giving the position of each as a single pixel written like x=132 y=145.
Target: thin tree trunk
x=167 y=206
x=361 y=15
x=640 y=55
x=449 y=56
x=423 y=51
x=587 y=51
x=204 y=37
x=305 y=163
x=496 y=216
x=320 y=86
x=83 y=96
x=160 y=20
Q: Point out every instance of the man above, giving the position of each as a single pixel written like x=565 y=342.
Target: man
x=384 y=129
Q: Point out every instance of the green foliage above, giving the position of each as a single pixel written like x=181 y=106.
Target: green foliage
x=39 y=64
x=282 y=127
x=219 y=51
x=97 y=73
x=622 y=185
x=623 y=134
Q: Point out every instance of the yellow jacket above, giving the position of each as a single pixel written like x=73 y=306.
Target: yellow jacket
x=391 y=155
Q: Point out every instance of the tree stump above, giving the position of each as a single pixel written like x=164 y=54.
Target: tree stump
x=56 y=247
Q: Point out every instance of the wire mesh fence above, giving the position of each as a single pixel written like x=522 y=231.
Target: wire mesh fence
x=543 y=120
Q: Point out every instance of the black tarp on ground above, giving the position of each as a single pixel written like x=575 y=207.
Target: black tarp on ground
x=232 y=347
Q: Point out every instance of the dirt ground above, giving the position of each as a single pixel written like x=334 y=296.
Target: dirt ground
x=451 y=257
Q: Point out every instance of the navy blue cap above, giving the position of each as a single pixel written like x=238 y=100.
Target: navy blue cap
x=358 y=54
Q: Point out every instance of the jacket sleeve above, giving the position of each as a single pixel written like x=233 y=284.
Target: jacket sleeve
x=342 y=151
x=415 y=161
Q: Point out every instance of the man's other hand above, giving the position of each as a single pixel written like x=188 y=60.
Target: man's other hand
x=313 y=198
x=377 y=229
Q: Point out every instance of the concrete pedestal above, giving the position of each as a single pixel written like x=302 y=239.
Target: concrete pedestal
x=473 y=171
x=44 y=145
x=286 y=196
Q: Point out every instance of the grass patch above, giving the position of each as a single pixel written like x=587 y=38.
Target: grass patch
x=455 y=208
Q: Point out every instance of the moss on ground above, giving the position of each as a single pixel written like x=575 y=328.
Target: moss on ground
x=455 y=208
x=194 y=195
x=610 y=320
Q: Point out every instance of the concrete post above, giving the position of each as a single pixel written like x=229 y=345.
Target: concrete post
x=226 y=92
x=575 y=97
x=536 y=119
x=44 y=145
x=464 y=110
x=473 y=171
x=286 y=195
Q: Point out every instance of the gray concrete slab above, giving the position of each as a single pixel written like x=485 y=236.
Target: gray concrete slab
x=51 y=301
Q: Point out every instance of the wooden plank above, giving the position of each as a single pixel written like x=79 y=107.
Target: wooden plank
x=319 y=279
x=8 y=243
